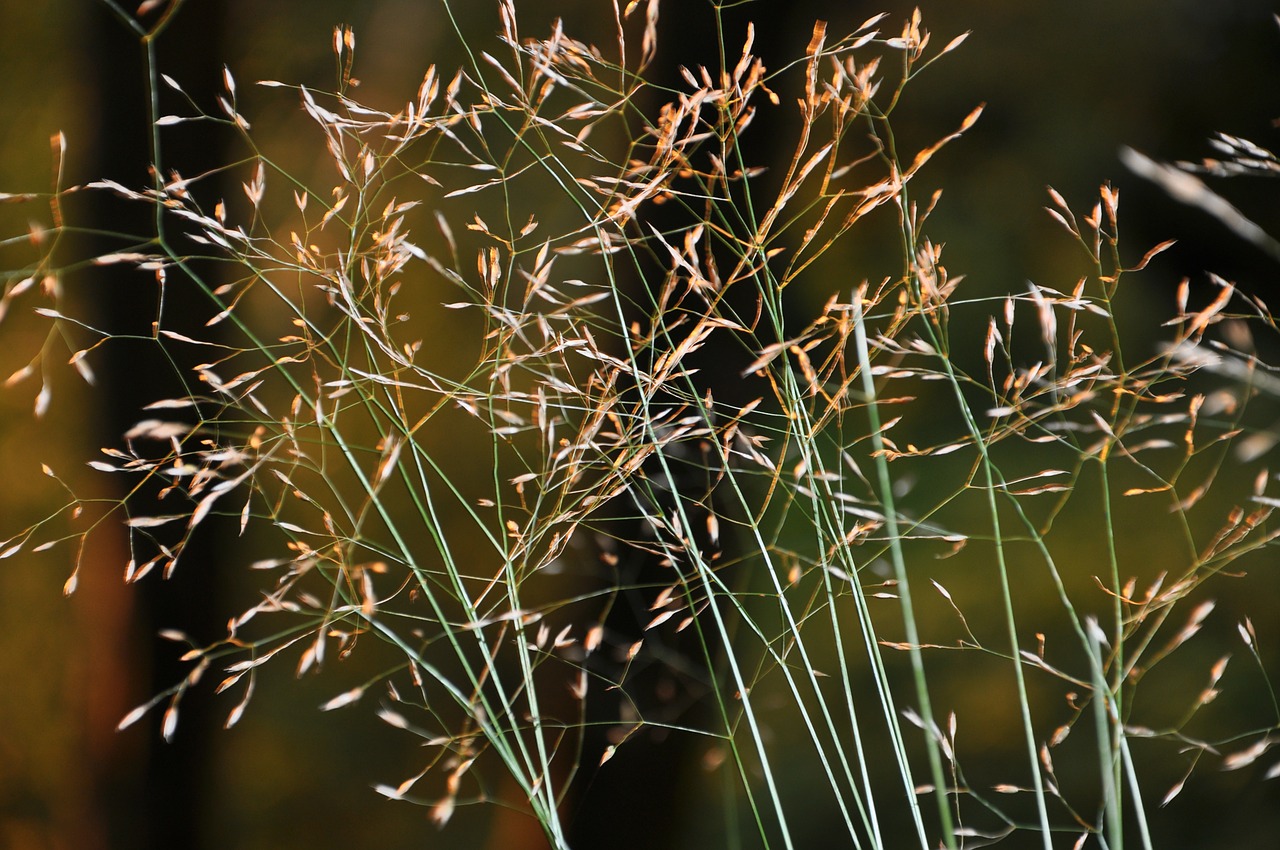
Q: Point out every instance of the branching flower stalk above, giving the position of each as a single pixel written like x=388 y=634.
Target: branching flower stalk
x=469 y=393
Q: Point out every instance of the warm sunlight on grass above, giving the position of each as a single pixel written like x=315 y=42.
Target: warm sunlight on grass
x=524 y=425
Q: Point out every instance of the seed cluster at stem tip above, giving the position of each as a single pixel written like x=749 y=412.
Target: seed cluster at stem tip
x=520 y=391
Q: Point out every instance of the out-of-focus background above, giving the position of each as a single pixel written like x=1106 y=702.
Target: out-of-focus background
x=1066 y=84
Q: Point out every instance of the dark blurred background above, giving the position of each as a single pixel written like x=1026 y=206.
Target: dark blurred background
x=1066 y=84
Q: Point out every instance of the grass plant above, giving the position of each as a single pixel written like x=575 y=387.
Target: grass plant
x=533 y=405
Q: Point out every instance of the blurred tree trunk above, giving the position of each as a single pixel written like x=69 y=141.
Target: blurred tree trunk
x=165 y=803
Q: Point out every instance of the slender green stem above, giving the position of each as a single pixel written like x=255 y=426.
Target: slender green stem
x=931 y=730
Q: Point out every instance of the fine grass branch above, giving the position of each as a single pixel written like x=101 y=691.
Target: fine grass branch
x=464 y=387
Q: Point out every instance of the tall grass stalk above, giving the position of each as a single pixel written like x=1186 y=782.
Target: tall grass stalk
x=476 y=446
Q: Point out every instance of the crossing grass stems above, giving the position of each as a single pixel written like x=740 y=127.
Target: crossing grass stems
x=457 y=504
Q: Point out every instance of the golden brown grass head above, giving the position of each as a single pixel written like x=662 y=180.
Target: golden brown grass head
x=531 y=351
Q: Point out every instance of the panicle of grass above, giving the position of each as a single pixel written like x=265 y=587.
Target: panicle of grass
x=585 y=256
